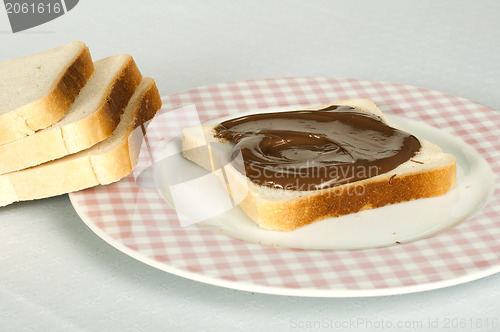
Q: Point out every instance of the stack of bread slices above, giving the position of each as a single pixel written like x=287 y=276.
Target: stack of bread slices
x=68 y=123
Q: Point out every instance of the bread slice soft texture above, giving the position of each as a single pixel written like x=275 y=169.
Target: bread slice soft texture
x=429 y=173
x=36 y=91
x=104 y=163
x=91 y=118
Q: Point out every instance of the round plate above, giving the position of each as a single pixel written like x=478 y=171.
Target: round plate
x=137 y=221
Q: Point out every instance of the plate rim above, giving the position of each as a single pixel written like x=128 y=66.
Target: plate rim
x=299 y=292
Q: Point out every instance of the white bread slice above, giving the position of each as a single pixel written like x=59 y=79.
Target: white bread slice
x=104 y=163
x=430 y=173
x=91 y=118
x=36 y=91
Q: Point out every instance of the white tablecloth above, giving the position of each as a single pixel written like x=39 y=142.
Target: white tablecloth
x=56 y=274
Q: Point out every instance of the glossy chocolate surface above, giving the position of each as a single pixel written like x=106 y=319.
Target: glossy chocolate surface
x=311 y=150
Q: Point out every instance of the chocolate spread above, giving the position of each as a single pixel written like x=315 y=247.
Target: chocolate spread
x=312 y=150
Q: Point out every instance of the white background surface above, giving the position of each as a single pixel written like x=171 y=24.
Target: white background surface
x=55 y=274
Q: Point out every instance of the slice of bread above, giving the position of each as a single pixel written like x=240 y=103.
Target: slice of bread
x=36 y=91
x=91 y=118
x=104 y=163
x=429 y=173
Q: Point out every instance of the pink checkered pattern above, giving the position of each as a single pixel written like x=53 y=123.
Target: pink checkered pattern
x=139 y=219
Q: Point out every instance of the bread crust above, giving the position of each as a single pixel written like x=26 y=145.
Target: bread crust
x=42 y=113
x=100 y=125
x=127 y=153
x=287 y=216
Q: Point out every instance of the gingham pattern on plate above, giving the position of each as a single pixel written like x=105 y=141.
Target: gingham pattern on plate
x=138 y=222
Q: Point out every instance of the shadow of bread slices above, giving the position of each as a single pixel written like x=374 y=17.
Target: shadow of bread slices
x=92 y=117
x=431 y=172
x=107 y=161
x=36 y=91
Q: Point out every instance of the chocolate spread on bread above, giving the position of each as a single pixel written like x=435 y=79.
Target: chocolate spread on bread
x=312 y=150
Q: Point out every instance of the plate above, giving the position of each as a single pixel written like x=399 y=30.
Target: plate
x=135 y=219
